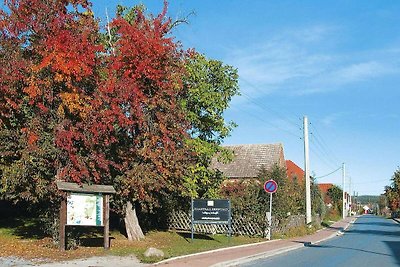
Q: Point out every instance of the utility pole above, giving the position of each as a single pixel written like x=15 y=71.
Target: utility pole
x=344 y=191
x=350 y=200
x=307 y=171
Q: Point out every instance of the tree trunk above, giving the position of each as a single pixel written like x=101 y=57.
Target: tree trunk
x=133 y=230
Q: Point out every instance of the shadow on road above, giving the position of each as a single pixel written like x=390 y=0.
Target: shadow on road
x=378 y=223
x=349 y=248
x=395 y=247
x=373 y=232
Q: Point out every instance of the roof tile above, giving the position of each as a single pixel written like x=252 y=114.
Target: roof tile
x=250 y=158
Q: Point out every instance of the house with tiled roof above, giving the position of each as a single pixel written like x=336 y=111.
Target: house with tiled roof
x=294 y=171
x=324 y=190
x=249 y=159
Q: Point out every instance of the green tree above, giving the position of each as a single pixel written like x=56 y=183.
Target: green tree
x=209 y=87
x=317 y=201
x=336 y=195
x=286 y=200
x=382 y=204
x=392 y=192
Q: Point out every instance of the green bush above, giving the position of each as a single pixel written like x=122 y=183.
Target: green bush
x=249 y=199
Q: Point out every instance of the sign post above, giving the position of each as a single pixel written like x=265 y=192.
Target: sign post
x=270 y=187
x=211 y=211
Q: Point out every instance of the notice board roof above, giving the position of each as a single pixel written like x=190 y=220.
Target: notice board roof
x=85 y=188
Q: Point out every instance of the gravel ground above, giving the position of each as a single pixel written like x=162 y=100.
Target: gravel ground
x=14 y=261
x=110 y=261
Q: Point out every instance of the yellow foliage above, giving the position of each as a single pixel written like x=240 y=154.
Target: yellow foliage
x=74 y=103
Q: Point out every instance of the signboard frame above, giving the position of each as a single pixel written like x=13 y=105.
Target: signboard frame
x=211 y=211
x=68 y=189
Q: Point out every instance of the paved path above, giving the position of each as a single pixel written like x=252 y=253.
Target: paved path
x=106 y=261
x=240 y=254
x=370 y=241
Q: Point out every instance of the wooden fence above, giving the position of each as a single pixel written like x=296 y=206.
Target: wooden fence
x=180 y=221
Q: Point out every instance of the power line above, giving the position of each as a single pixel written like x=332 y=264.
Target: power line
x=322 y=155
x=322 y=176
x=322 y=158
x=318 y=144
x=267 y=122
x=269 y=109
x=323 y=144
x=325 y=154
x=252 y=100
x=321 y=148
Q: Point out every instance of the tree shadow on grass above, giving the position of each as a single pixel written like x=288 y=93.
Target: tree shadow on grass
x=26 y=228
x=86 y=236
x=20 y=222
x=188 y=237
x=32 y=228
x=93 y=241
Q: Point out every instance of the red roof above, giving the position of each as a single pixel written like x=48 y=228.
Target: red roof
x=294 y=171
x=324 y=187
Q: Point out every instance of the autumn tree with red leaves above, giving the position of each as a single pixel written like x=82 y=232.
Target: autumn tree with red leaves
x=48 y=60
x=121 y=112
x=135 y=129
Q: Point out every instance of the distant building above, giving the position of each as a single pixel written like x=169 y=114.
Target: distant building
x=250 y=159
x=294 y=171
x=328 y=201
x=324 y=190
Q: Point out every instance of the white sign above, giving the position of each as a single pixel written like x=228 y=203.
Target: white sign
x=85 y=209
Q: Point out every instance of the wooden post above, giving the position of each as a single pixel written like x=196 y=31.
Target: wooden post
x=63 y=222
x=106 y=220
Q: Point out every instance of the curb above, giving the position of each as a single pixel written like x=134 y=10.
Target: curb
x=212 y=251
x=257 y=256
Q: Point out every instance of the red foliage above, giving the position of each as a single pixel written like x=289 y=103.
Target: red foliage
x=134 y=126
x=125 y=125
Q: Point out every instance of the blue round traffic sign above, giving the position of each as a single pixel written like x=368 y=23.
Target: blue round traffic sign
x=270 y=186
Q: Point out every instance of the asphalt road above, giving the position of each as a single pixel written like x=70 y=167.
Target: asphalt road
x=370 y=241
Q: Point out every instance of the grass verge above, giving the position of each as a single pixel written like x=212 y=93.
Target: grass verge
x=177 y=244
x=21 y=237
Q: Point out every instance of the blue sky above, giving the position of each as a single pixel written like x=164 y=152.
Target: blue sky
x=337 y=62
